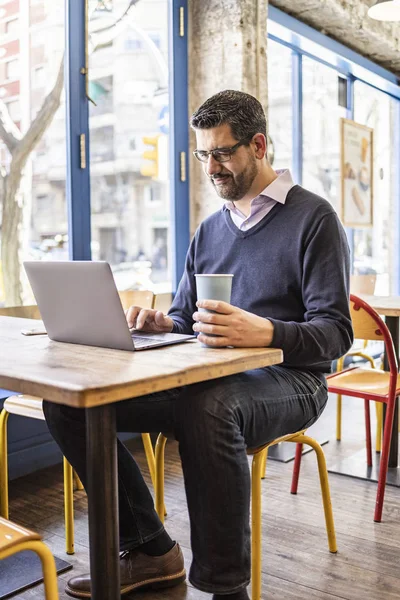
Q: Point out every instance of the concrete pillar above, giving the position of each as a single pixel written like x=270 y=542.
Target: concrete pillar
x=227 y=50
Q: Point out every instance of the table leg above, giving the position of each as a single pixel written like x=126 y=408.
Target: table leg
x=101 y=456
x=393 y=326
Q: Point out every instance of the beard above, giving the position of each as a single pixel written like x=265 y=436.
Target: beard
x=235 y=187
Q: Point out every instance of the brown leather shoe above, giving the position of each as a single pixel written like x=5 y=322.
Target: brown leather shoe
x=138 y=571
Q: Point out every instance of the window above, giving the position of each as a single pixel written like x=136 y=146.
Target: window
x=12 y=27
x=374 y=247
x=101 y=92
x=321 y=132
x=156 y=39
x=326 y=99
x=128 y=128
x=132 y=43
x=39 y=77
x=14 y=110
x=153 y=193
x=43 y=223
x=12 y=69
x=280 y=103
x=102 y=144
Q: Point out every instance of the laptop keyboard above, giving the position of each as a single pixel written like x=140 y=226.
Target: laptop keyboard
x=140 y=341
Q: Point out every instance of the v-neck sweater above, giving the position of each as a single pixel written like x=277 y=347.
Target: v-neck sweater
x=291 y=268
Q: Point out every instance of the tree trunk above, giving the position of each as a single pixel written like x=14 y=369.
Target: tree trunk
x=10 y=242
x=12 y=204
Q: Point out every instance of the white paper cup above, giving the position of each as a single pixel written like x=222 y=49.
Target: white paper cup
x=213 y=286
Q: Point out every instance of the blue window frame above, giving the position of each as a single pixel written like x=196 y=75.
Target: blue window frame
x=78 y=167
x=77 y=122
x=179 y=140
x=306 y=41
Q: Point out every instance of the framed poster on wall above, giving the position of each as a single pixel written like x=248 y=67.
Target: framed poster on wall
x=356 y=166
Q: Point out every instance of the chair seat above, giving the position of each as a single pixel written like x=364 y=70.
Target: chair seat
x=365 y=382
x=12 y=534
x=25 y=406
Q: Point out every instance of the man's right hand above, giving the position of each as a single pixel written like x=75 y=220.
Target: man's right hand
x=147 y=319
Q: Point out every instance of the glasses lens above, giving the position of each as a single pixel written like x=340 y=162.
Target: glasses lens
x=221 y=155
x=201 y=155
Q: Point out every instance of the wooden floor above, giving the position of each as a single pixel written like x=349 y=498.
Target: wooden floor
x=296 y=562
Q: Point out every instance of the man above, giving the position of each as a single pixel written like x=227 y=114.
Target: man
x=290 y=260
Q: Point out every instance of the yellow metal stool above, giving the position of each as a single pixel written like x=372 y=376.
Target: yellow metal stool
x=14 y=538
x=257 y=471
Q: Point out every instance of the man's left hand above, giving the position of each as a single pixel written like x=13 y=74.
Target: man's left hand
x=234 y=326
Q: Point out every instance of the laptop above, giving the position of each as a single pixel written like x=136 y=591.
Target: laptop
x=79 y=304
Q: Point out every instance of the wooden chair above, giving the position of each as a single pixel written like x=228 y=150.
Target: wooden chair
x=31 y=406
x=369 y=384
x=360 y=284
x=257 y=471
x=14 y=538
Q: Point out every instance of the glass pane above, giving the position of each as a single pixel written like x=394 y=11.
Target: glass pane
x=321 y=130
x=374 y=247
x=129 y=141
x=32 y=198
x=280 y=103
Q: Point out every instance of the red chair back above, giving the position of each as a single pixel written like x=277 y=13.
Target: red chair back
x=368 y=325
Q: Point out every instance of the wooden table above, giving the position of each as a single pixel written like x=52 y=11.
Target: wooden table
x=94 y=379
x=355 y=466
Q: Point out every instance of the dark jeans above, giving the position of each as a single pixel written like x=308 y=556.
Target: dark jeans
x=213 y=422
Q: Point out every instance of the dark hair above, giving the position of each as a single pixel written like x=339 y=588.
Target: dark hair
x=241 y=111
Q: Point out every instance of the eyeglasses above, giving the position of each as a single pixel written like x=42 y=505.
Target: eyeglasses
x=219 y=154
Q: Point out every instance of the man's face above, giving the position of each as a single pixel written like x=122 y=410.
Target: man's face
x=232 y=179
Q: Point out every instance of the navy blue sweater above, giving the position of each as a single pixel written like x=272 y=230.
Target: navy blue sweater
x=291 y=268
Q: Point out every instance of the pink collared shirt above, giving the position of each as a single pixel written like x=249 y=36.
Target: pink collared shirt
x=264 y=202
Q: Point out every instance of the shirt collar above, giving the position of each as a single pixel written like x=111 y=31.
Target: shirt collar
x=277 y=190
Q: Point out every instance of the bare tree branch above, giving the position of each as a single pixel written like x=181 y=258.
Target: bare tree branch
x=40 y=122
x=3 y=176
x=6 y=126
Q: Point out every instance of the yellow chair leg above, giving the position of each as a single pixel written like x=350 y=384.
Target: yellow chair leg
x=379 y=425
x=78 y=485
x=148 y=449
x=48 y=565
x=68 y=507
x=49 y=571
x=339 y=368
x=339 y=417
x=326 y=496
x=3 y=465
x=257 y=466
x=159 y=479
x=264 y=463
x=151 y=461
